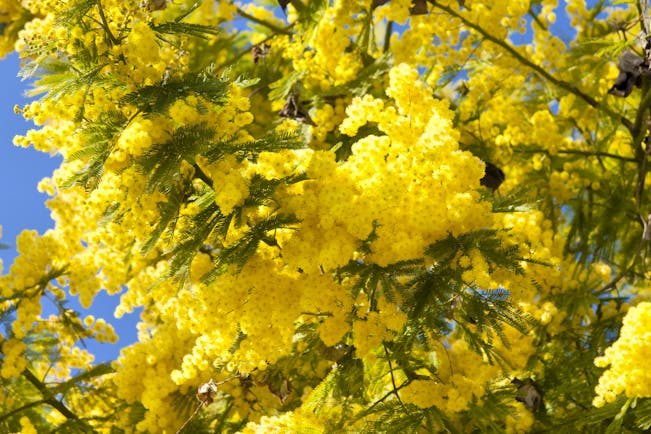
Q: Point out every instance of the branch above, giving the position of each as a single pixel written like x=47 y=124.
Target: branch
x=642 y=152
x=381 y=400
x=536 y=18
x=48 y=398
x=39 y=286
x=270 y=26
x=639 y=130
x=640 y=11
x=202 y=175
x=393 y=380
x=641 y=175
x=536 y=68
x=613 y=283
x=196 y=410
x=298 y=5
x=239 y=55
x=205 y=397
x=387 y=37
x=21 y=408
x=577 y=152
x=100 y=11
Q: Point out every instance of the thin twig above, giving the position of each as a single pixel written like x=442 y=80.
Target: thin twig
x=239 y=55
x=199 y=173
x=613 y=283
x=21 y=408
x=270 y=26
x=578 y=152
x=387 y=37
x=641 y=139
x=640 y=11
x=201 y=404
x=638 y=129
x=48 y=398
x=100 y=11
x=641 y=176
x=388 y=394
x=393 y=380
x=536 y=18
x=205 y=397
x=536 y=68
x=298 y=5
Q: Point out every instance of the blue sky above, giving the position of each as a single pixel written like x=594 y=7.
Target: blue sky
x=23 y=207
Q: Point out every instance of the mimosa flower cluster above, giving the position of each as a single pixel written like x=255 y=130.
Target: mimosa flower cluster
x=625 y=359
x=271 y=183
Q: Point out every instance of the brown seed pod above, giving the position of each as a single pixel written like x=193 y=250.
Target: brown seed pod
x=259 y=51
x=493 y=177
x=529 y=394
x=293 y=109
x=206 y=391
x=419 y=8
x=630 y=74
x=154 y=5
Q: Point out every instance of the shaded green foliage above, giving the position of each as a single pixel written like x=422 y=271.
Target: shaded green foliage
x=100 y=138
x=157 y=98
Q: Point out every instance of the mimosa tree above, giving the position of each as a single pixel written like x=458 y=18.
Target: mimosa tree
x=336 y=216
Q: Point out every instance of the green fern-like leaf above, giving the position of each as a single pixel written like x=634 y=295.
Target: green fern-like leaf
x=110 y=214
x=76 y=10
x=59 y=78
x=642 y=412
x=271 y=143
x=246 y=246
x=517 y=200
x=158 y=97
x=101 y=136
x=198 y=30
x=162 y=162
x=203 y=223
x=83 y=377
x=281 y=88
x=486 y=241
x=395 y=417
x=169 y=211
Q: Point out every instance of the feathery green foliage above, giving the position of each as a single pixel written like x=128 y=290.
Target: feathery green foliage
x=158 y=97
